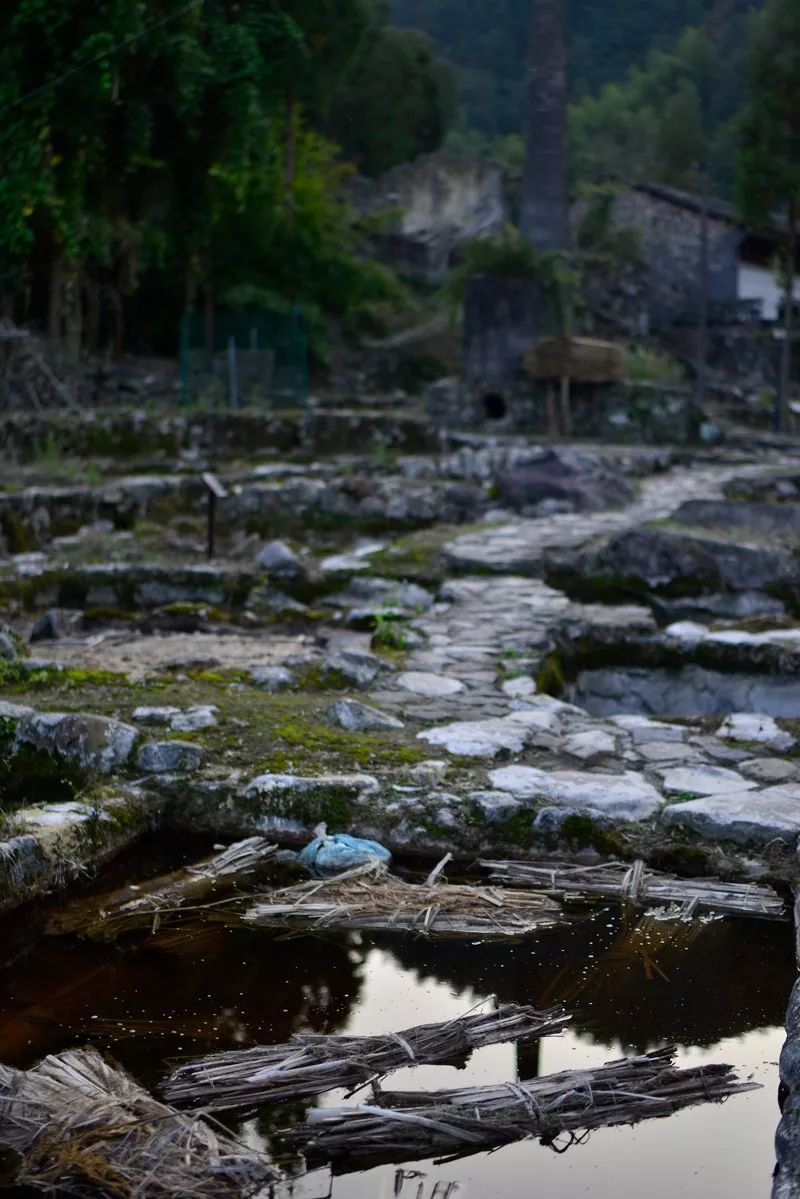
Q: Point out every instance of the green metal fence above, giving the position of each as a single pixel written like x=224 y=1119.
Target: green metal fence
x=246 y=358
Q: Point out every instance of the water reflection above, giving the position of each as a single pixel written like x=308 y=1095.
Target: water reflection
x=148 y=1003
x=631 y=984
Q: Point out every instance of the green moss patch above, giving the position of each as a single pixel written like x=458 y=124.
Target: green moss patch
x=550 y=676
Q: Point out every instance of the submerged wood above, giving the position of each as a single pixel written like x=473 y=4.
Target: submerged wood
x=84 y=1128
x=120 y=912
x=310 y=1064
x=637 y=884
x=401 y=1125
x=369 y=897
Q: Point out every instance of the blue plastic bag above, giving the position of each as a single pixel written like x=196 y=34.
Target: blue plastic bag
x=339 y=852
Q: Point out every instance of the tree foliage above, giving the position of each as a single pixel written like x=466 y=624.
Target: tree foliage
x=154 y=153
x=769 y=163
x=398 y=104
x=624 y=62
x=508 y=254
x=651 y=126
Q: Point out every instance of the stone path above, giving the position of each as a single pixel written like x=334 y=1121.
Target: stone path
x=505 y=763
x=471 y=684
x=523 y=545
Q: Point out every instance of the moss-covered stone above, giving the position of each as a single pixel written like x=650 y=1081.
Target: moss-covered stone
x=584 y=833
x=550 y=676
x=27 y=771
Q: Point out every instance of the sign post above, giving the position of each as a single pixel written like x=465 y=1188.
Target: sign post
x=215 y=492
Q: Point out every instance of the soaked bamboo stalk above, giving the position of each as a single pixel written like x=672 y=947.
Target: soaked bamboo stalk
x=400 y=1125
x=84 y=1128
x=371 y=898
x=636 y=884
x=145 y=907
x=311 y=1064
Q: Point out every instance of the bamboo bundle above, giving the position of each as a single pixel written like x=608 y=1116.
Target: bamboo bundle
x=583 y=359
x=371 y=898
x=146 y=906
x=311 y=1064
x=637 y=884
x=83 y=1128
x=414 y=1125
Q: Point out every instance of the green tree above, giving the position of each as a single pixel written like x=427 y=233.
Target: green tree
x=680 y=143
x=487 y=44
x=55 y=165
x=398 y=103
x=153 y=155
x=652 y=127
x=769 y=167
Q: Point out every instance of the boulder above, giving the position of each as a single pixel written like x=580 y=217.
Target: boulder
x=292 y=805
x=551 y=821
x=271 y=601
x=21 y=859
x=694 y=781
x=169 y=757
x=770 y=770
x=657 y=561
x=590 y=745
x=155 y=716
x=360 y=669
x=279 y=561
x=496 y=807
x=204 y=716
x=741 y=816
x=576 y=480
x=95 y=742
x=643 y=730
x=359 y=718
x=488 y=738
x=768 y=519
x=753 y=728
x=56 y=623
x=372 y=590
x=625 y=796
x=431 y=686
x=180 y=720
x=272 y=678
x=521 y=687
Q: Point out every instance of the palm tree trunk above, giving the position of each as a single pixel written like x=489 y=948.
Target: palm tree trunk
x=544 y=214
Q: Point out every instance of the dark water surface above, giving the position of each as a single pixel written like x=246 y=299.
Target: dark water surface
x=717 y=990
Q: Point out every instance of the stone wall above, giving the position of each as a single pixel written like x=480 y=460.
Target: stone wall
x=622 y=413
x=670 y=237
x=430 y=207
x=503 y=317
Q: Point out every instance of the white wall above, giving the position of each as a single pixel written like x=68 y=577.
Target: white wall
x=759 y=283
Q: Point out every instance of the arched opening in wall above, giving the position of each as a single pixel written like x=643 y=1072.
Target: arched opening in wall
x=494 y=405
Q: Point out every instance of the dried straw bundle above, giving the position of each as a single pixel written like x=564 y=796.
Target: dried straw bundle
x=84 y=1128
x=311 y=1064
x=637 y=884
x=413 y=1125
x=121 y=911
x=369 y=897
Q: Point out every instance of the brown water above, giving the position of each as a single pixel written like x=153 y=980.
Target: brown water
x=719 y=991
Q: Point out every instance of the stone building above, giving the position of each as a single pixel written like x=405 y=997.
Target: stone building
x=741 y=278
x=660 y=298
